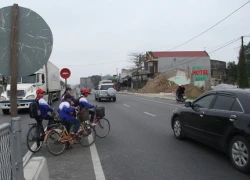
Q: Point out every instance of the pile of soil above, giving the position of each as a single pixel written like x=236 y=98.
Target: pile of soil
x=157 y=85
x=192 y=91
x=160 y=84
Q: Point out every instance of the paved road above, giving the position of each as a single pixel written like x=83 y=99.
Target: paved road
x=141 y=145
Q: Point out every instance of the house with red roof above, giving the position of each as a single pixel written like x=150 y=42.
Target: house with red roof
x=181 y=67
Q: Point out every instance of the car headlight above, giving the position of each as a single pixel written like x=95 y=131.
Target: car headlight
x=31 y=97
x=2 y=98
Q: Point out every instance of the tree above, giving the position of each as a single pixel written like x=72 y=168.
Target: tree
x=232 y=72
x=242 y=69
x=95 y=80
x=137 y=59
x=247 y=51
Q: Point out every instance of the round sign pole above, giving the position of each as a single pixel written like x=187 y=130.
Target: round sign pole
x=65 y=74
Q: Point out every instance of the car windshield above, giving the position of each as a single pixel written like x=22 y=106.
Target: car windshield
x=106 y=87
x=29 y=79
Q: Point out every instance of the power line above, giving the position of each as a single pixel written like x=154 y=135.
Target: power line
x=210 y=27
x=201 y=56
x=223 y=46
x=110 y=62
x=225 y=43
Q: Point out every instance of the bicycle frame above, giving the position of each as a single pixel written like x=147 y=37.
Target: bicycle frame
x=64 y=131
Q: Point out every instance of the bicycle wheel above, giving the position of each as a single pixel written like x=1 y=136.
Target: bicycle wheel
x=102 y=128
x=54 y=146
x=87 y=136
x=34 y=139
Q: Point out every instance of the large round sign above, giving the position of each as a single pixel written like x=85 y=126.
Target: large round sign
x=65 y=73
x=35 y=41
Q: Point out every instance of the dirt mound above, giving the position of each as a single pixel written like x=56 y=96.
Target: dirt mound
x=160 y=84
x=157 y=85
x=192 y=91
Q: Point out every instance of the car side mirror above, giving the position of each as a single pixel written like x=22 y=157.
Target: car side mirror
x=188 y=104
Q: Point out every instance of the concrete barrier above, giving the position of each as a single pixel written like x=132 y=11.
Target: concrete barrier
x=36 y=169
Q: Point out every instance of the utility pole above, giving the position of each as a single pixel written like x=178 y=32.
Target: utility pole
x=242 y=41
x=14 y=60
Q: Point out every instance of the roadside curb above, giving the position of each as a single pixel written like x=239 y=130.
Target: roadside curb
x=36 y=169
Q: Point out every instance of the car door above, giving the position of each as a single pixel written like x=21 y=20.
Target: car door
x=195 y=114
x=220 y=119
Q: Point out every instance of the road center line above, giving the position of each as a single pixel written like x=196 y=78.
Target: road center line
x=99 y=174
x=150 y=114
x=126 y=105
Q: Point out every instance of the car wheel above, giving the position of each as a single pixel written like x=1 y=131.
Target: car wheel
x=6 y=111
x=114 y=99
x=99 y=99
x=177 y=128
x=239 y=152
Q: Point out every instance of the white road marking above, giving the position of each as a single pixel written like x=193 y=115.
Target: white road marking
x=156 y=101
x=27 y=156
x=150 y=114
x=126 y=105
x=99 y=174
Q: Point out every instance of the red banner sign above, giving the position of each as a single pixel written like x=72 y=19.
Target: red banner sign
x=200 y=72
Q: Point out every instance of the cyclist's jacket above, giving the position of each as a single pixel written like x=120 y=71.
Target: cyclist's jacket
x=83 y=102
x=65 y=111
x=44 y=107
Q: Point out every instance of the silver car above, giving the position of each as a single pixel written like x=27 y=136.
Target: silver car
x=105 y=91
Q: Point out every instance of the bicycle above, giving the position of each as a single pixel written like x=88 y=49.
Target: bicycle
x=37 y=138
x=102 y=124
x=59 y=136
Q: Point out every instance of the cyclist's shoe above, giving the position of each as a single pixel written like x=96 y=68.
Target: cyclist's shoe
x=93 y=124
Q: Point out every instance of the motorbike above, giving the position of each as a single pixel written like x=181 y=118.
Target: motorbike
x=182 y=99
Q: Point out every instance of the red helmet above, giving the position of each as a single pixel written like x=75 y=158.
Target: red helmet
x=40 y=91
x=85 y=90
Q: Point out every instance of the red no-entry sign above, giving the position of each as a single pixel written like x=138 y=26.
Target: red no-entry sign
x=65 y=73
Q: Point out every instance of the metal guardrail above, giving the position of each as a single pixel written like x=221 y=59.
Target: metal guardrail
x=5 y=152
x=11 y=165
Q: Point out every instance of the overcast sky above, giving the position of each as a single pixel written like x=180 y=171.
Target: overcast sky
x=105 y=31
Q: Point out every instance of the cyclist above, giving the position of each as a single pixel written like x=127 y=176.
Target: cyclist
x=180 y=91
x=66 y=114
x=68 y=90
x=83 y=102
x=43 y=106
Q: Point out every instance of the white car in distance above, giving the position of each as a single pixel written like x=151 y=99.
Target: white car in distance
x=106 y=91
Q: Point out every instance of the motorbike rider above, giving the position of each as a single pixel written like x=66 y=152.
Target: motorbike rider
x=180 y=91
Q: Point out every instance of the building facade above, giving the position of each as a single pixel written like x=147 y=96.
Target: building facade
x=181 y=67
x=218 y=72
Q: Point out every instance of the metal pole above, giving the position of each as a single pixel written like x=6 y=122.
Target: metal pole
x=65 y=83
x=16 y=130
x=14 y=61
